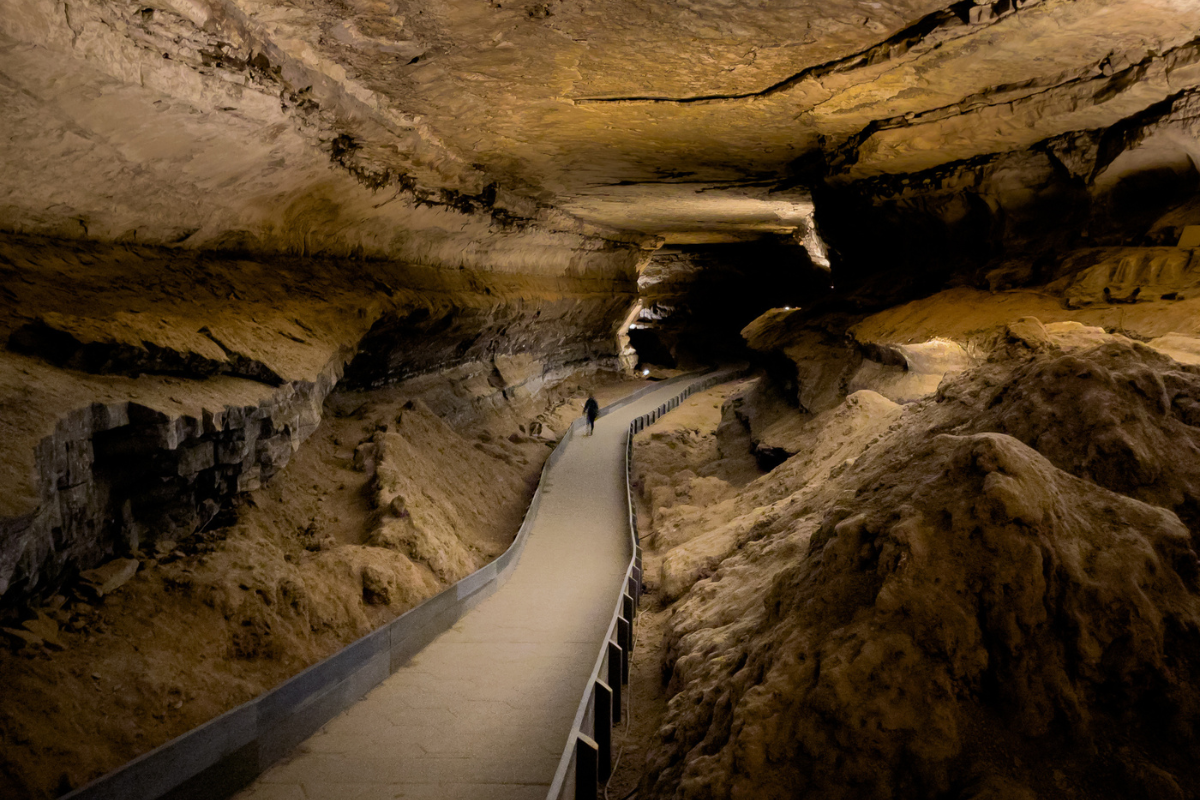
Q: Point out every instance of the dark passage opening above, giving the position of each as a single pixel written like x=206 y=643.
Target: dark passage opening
x=696 y=299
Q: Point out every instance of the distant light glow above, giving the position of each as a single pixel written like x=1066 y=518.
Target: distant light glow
x=787 y=308
x=645 y=372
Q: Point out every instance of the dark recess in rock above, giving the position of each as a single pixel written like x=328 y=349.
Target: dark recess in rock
x=62 y=349
x=697 y=298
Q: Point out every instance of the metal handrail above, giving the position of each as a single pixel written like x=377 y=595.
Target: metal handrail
x=586 y=762
x=221 y=756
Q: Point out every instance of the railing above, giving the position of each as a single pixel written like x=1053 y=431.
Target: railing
x=225 y=754
x=587 y=760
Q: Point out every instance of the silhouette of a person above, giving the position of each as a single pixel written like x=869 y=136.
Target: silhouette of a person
x=591 y=409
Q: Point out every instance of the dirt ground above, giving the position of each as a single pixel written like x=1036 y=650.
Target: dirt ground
x=385 y=505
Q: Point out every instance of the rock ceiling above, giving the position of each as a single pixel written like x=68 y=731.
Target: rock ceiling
x=203 y=122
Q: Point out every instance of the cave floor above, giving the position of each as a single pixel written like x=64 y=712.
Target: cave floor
x=485 y=710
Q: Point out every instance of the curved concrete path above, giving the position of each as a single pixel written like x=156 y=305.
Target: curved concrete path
x=485 y=710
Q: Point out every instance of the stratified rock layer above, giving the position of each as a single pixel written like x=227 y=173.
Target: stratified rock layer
x=407 y=130
x=143 y=387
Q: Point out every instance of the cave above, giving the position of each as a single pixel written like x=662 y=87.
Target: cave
x=654 y=401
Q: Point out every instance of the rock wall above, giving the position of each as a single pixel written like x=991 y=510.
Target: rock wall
x=115 y=477
x=990 y=592
x=557 y=327
x=143 y=387
x=1133 y=183
x=865 y=339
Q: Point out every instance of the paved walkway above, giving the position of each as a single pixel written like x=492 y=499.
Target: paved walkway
x=484 y=711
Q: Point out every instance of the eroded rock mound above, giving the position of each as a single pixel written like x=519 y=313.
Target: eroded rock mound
x=973 y=604
x=1119 y=414
x=435 y=504
x=992 y=592
x=689 y=540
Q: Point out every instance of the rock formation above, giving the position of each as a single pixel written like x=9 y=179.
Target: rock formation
x=925 y=601
x=179 y=379
x=958 y=240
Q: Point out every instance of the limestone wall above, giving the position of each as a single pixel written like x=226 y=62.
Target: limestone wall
x=143 y=387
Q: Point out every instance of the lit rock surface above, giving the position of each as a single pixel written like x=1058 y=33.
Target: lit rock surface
x=323 y=128
x=143 y=387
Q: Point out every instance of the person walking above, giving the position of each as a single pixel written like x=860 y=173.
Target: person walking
x=591 y=409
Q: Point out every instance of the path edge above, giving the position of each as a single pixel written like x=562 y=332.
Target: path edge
x=586 y=761
x=222 y=756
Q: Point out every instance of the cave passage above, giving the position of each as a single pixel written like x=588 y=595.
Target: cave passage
x=498 y=692
x=297 y=300
x=696 y=299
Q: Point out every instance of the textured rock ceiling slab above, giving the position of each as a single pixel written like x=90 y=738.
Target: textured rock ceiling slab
x=690 y=213
x=593 y=107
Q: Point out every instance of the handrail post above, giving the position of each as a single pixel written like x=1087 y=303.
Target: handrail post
x=602 y=700
x=625 y=639
x=587 y=778
x=616 y=657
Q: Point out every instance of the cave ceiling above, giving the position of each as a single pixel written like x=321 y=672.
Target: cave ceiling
x=695 y=121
